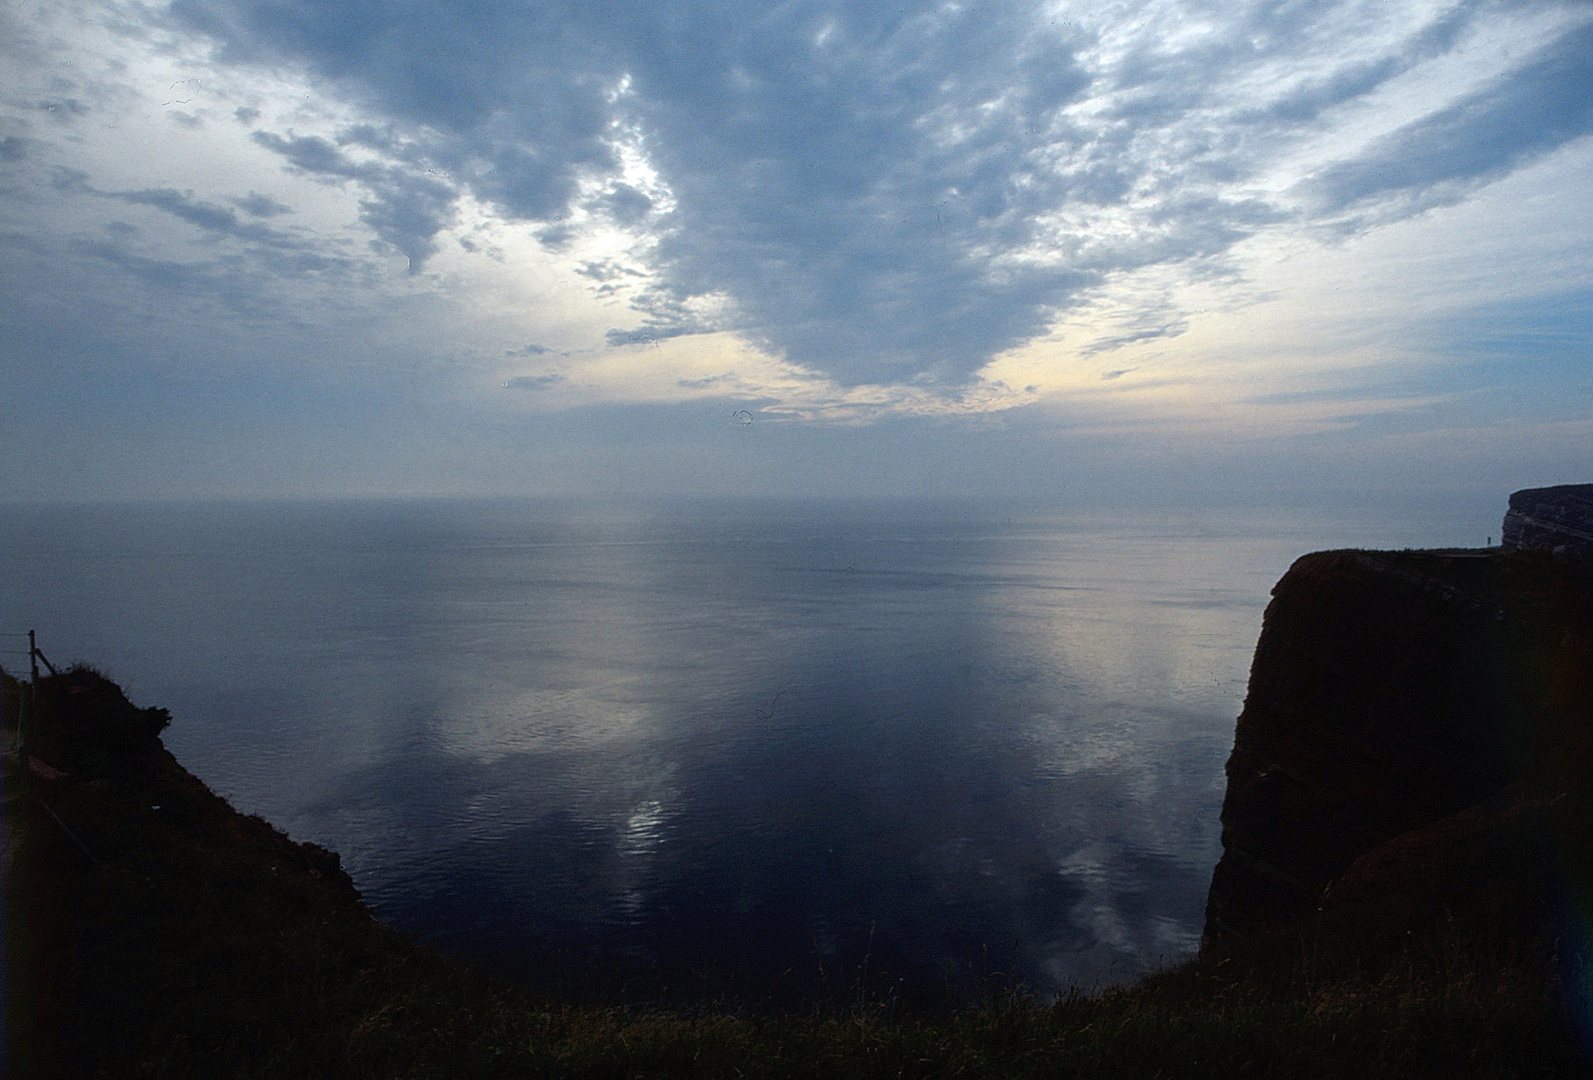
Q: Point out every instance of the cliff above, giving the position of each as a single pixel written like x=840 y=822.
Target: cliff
x=1405 y=710
x=138 y=902
x=93 y=739
x=1551 y=519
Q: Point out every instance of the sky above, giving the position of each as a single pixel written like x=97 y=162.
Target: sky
x=1128 y=251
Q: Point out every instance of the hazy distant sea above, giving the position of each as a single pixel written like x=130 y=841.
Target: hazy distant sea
x=759 y=747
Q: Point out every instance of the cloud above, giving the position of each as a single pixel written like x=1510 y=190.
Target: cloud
x=283 y=253
x=892 y=194
x=1135 y=336
x=63 y=110
x=521 y=92
x=702 y=383
x=625 y=205
x=182 y=278
x=406 y=207
x=669 y=313
x=649 y=335
x=533 y=382
x=261 y=206
x=607 y=271
x=1522 y=115
x=556 y=237
x=69 y=181
x=244 y=275
x=185 y=206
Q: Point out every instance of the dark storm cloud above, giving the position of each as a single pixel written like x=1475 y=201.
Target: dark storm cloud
x=883 y=192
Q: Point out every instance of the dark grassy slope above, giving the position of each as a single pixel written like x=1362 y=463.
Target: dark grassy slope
x=193 y=941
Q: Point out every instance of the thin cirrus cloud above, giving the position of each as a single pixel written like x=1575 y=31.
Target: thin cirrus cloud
x=877 y=193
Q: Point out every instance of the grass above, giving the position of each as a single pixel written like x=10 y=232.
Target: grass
x=191 y=941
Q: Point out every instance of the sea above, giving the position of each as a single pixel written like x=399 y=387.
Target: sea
x=667 y=750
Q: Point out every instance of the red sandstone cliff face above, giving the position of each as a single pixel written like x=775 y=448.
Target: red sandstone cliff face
x=1396 y=702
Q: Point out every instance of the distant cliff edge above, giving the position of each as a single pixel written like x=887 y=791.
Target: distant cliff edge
x=1551 y=519
x=1406 y=709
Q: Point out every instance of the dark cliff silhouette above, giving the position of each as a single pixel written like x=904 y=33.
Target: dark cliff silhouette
x=1405 y=710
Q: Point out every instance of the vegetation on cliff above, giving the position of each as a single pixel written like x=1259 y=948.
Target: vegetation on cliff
x=152 y=931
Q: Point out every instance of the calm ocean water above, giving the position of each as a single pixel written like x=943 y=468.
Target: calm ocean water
x=763 y=749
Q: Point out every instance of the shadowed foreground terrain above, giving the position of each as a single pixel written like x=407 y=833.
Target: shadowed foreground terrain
x=153 y=931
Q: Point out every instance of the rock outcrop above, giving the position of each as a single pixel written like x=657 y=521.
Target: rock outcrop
x=1399 y=703
x=89 y=735
x=1551 y=519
